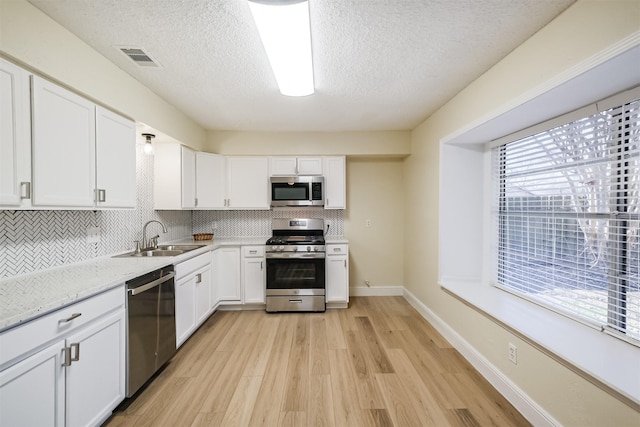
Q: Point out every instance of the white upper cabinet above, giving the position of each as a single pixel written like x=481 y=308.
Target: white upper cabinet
x=115 y=160
x=63 y=146
x=15 y=137
x=211 y=180
x=83 y=156
x=247 y=183
x=286 y=166
x=335 y=182
x=188 y=178
x=174 y=180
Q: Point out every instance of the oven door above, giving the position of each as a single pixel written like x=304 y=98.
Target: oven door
x=298 y=274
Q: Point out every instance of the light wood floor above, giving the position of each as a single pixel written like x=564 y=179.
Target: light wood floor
x=377 y=363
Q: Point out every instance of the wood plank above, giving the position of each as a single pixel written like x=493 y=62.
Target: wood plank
x=241 y=406
x=267 y=408
x=320 y=404
x=344 y=391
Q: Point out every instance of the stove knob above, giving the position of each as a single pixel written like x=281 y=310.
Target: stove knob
x=274 y=248
x=308 y=248
x=295 y=249
x=281 y=248
x=315 y=249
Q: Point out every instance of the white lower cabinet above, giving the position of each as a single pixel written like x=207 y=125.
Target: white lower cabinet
x=94 y=383
x=67 y=367
x=193 y=295
x=32 y=391
x=337 y=272
x=253 y=274
x=226 y=270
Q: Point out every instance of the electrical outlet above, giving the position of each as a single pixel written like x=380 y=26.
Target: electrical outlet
x=513 y=353
x=93 y=235
x=367 y=223
x=366 y=282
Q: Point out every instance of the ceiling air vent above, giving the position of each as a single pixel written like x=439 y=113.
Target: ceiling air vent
x=139 y=56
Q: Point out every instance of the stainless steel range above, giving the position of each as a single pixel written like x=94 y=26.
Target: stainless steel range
x=296 y=265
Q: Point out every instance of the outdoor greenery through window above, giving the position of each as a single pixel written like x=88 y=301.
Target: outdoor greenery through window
x=568 y=216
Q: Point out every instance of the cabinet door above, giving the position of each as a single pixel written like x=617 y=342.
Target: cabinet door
x=335 y=182
x=32 y=391
x=188 y=177
x=15 y=136
x=203 y=295
x=95 y=384
x=254 y=280
x=63 y=147
x=309 y=166
x=115 y=160
x=248 y=182
x=337 y=278
x=226 y=268
x=185 y=308
x=283 y=166
x=211 y=181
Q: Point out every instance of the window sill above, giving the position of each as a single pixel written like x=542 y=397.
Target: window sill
x=605 y=361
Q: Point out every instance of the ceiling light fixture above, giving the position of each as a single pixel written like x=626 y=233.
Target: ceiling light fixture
x=148 y=148
x=286 y=36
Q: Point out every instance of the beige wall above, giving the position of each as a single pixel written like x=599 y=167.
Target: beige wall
x=32 y=39
x=389 y=143
x=375 y=191
x=584 y=30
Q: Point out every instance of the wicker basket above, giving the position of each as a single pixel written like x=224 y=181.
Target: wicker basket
x=203 y=236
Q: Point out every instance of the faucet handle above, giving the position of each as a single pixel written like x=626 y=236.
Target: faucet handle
x=137 y=250
x=153 y=242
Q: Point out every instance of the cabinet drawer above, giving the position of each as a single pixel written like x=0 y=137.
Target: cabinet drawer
x=189 y=266
x=337 y=249
x=39 y=332
x=252 y=251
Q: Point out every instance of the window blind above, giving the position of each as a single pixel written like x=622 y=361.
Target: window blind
x=567 y=217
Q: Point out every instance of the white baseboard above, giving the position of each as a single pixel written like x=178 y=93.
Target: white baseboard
x=376 y=291
x=520 y=400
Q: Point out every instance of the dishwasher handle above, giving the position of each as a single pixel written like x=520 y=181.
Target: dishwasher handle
x=146 y=287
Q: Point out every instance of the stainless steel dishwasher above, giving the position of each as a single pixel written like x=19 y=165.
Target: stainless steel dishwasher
x=151 y=330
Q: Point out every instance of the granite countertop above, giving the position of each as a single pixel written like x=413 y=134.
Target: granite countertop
x=25 y=297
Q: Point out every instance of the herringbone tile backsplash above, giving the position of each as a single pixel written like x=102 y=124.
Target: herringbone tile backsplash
x=37 y=240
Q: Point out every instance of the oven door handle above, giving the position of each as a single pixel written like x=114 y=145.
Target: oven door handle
x=294 y=255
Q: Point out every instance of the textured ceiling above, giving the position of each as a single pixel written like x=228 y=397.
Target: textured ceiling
x=378 y=64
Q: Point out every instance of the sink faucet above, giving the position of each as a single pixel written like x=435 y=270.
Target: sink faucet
x=146 y=243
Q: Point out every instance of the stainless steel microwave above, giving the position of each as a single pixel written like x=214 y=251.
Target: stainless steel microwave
x=297 y=191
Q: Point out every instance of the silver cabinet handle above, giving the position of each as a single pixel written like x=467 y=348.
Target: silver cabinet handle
x=67 y=358
x=75 y=346
x=261 y=264
x=198 y=277
x=345 y=263
x=25 y=190
x=70 y=318
x=195 y=202
x=253 y=252
x=100 y=195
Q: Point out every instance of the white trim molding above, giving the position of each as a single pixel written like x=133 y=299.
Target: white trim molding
x=376 y=291
x=518 y=398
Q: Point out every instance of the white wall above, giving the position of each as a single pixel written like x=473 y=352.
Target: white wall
x=576 y=37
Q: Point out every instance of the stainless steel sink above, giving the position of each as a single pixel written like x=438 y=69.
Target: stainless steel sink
x=162 y=250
